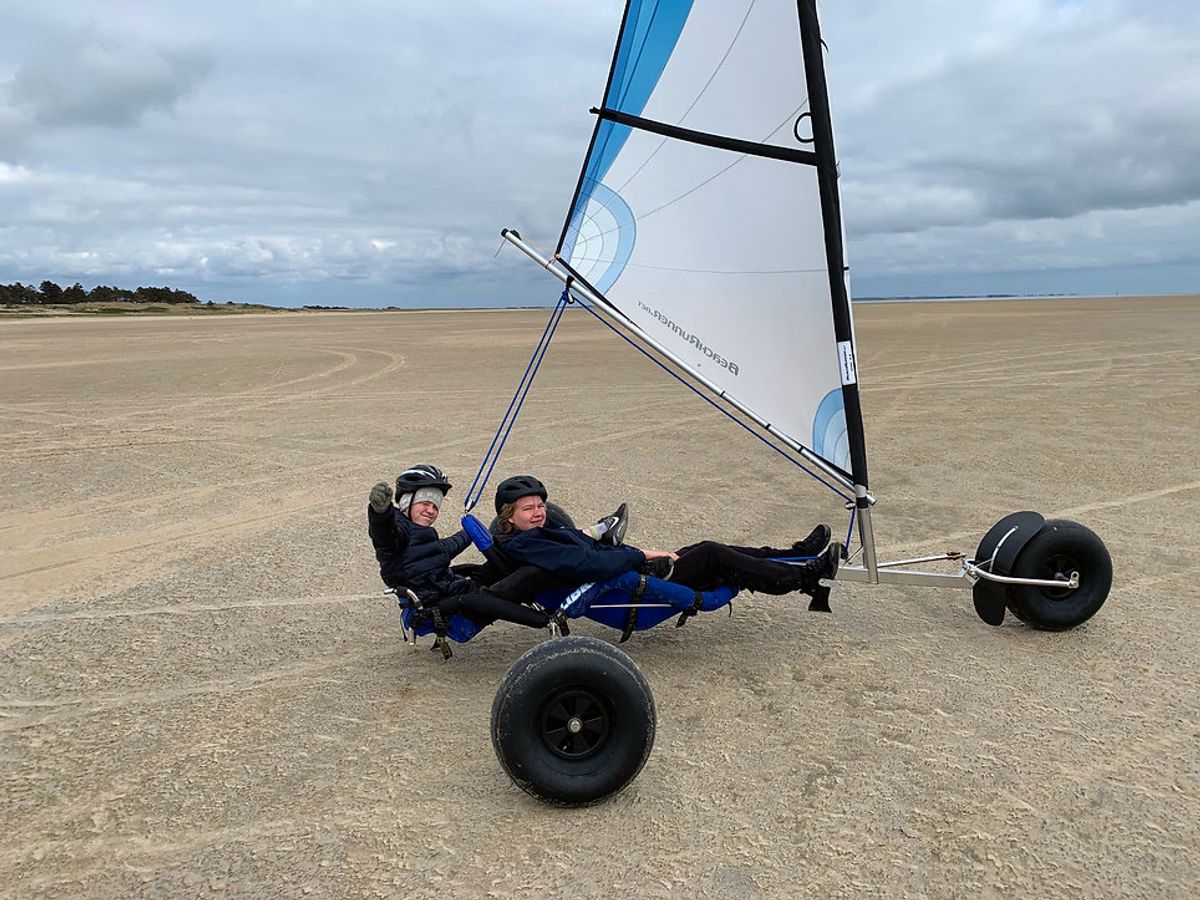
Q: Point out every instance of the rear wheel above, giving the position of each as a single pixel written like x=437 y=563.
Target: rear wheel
x=573 y=721
x=1060 y=549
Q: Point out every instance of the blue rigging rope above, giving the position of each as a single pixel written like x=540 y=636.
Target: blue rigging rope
x=514 y=406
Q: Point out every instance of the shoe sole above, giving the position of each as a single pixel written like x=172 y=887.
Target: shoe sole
x=834 y=552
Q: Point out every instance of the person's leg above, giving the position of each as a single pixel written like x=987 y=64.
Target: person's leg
x=707 y=565
x=816 y=541
x=524 y=583
x=757 y=552
x=484 y=608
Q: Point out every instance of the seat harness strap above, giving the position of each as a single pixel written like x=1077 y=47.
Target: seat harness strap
x=631 y=613
x=439 y=630
x=688 y=613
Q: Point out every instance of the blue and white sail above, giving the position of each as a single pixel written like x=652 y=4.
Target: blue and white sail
x=707 y=212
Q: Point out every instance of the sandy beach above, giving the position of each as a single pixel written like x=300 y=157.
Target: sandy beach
x=203 y=691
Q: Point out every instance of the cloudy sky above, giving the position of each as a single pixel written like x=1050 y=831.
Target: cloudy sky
x=367 y=153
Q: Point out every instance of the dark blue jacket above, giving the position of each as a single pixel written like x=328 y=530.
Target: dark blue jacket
x=569 y=553
x=413 y=556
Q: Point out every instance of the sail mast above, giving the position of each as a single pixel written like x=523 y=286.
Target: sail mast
x=827 y=175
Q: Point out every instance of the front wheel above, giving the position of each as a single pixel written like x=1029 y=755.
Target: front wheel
x=573 y=721
x=1061 y=548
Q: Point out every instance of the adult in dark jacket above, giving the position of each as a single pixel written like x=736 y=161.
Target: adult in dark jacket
x=527 y=538
x=411 y=555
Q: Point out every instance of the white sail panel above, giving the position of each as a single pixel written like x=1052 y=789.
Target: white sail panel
x=736 y=70
x=717 y=254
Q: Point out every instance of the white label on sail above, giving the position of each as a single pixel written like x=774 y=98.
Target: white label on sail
x=846 y=355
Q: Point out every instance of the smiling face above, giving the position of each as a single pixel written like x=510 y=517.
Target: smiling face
x=423 y=513
x=528 y=512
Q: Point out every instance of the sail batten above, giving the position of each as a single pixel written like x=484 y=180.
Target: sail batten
x=721 y=240
x=750 y=148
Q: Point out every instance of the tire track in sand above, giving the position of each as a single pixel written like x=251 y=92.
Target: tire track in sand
x=189 y=609
x=103 y=704
x=259 y=396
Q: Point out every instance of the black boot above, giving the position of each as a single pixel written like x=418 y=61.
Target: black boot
x=803 y=577
x=824 y=566
x=814 y=543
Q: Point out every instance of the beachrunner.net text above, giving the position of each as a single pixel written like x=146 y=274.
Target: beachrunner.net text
x=692 y=339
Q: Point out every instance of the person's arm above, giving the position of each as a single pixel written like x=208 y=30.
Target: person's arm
x=383 y=535
x=455 y=544
x=657 y=554
x=577 y=559
x=401 y=526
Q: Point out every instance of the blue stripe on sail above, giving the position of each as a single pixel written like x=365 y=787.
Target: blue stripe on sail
x=830 y=438
x=652 y=28
x=644 y=52
x=626 y=231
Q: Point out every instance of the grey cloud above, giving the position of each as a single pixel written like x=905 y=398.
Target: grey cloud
x=94 y=80
x=1050 y=124
x=350 y=142
x=362 y=151
x=1162 y=236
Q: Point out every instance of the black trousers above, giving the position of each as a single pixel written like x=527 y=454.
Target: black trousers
x=502 y=599
x=710 y=564
x=484 y=608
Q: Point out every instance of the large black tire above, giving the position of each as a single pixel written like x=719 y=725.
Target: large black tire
x=1060 y=548
x=573 y=721
x=555 y=514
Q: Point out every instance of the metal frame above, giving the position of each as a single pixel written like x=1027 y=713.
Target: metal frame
x=872 y=571
x=410 y=635
x=965 y=577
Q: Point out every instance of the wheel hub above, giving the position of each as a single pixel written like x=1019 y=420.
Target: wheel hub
x=575 y=723
x=1062 y=568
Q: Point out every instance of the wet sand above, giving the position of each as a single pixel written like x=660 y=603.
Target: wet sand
x=203 y=692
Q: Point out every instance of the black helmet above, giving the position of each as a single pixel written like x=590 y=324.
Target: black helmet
x=513 y=489
x=417 y=477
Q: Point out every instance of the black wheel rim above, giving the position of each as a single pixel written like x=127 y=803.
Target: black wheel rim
x=575 y=723
x=1059 y=564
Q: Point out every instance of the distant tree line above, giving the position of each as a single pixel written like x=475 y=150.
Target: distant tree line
x=50 y=293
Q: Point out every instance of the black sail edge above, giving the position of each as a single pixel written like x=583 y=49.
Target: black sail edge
x=831 y=214
x=587 y=157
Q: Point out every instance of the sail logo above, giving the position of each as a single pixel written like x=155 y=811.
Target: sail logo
x=692 y=339
x=847 y=364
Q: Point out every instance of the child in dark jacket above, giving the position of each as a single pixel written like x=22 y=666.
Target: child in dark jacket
x=528 y=539
x=411 y=555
